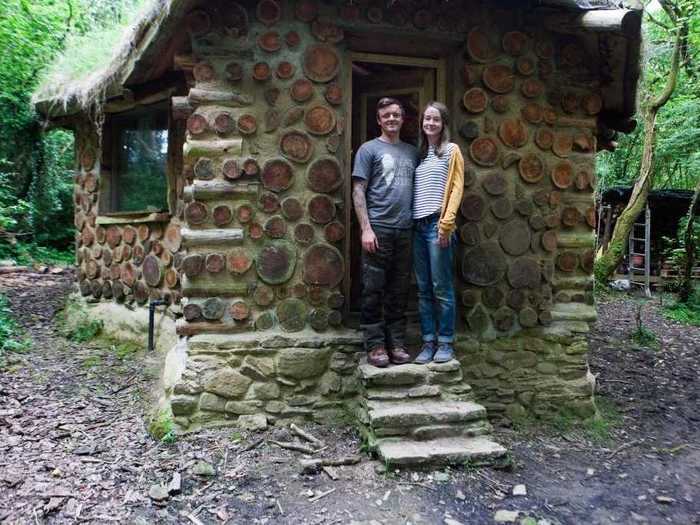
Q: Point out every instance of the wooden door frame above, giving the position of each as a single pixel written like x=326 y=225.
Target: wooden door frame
x=440 y=67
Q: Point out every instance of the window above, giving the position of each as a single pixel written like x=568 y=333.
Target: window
x=139 y=178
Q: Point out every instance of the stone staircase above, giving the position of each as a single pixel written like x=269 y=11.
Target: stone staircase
x=419 y=415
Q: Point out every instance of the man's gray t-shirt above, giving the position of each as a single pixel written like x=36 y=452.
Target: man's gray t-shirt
x=388 y=170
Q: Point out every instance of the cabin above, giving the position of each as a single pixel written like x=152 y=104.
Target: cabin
x=213 y=182
x=647 y=263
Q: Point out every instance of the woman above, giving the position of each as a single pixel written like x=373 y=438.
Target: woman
x=437 y=194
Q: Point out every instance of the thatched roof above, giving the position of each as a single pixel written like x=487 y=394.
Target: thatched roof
x=149 y=44
x=60 y=95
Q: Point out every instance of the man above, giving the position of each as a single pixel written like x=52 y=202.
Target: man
x=382 y=192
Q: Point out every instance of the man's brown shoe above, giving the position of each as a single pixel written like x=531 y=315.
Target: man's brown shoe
x=399 y=356
x=378 y=357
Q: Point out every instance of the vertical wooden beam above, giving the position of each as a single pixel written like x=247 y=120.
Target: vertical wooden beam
x=647 y=251
x=348 y=208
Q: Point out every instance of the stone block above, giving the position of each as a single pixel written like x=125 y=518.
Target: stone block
x=211 y=402
x=234 y=361
x=349 y=385
x=489 y=371
x=297 y=412
x=547 y=368
x=520 y=359
x=515 y=412
x=187 y=387
x=302 y=363
x=275 y=407
x=253 y=422
x=183 y=404
x=424 y=391
x=579 y=347
x=243 y=407
x=573 y=372
x=393 y=375
x=450 y=366
x=306 y=385
x=265 y=391
x=297 y=401
x=330 y=382
x=495 y=357
x=258 y=368
x=344 y=362
x=227 y=383
x=467 y=346
x=181 y=422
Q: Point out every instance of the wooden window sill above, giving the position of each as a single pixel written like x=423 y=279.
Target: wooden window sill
x=131 y=218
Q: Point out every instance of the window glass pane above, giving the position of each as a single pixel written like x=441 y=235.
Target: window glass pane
x=143 y=151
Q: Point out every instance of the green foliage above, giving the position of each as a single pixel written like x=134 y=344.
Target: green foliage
x=36 y=208
x=643 y=336
x=686 y=313
x=677 y=149
x=162 y=427
x=83 y=329
x=12 y=338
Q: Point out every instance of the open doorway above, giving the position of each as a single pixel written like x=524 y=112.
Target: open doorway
x=413 y=81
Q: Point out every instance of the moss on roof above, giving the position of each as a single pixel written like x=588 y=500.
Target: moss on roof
x=93 y=63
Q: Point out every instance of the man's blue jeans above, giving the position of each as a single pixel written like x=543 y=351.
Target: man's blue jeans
x=436 y=295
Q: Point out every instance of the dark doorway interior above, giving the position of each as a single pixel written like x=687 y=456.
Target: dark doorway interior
x=414 y=87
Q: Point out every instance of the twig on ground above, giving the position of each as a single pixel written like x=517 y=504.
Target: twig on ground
x=192 y=518
x=251 y=446
x=321 y=495
x=279 y=506
x=417 y=484
x=306 y=435
x=293 y=446
x=625 y=446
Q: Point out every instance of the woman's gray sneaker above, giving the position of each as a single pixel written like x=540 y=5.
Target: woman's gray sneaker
x=444 y=353
x=426 y=353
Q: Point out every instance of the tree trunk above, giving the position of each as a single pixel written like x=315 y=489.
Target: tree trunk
x=608 y=259
x=686 y=290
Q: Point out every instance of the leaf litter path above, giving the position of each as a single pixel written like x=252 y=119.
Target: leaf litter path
x=73 y=446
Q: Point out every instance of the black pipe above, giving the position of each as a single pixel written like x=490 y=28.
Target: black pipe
x=151 y=321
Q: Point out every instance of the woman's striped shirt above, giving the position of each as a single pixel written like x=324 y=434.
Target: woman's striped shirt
x=430 y=181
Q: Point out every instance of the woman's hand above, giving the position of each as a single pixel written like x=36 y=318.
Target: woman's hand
x=443 y=241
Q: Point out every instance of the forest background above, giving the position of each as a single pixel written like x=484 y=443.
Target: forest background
x=49 y=41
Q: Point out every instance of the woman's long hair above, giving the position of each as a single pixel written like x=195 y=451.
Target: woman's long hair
x=444 y=134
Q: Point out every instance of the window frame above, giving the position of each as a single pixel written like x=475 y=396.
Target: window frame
x=109 y=193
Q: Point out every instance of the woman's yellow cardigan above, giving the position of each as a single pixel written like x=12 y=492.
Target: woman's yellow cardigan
x=454 y=188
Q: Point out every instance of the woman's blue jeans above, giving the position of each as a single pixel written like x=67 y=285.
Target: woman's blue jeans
x=436 y=295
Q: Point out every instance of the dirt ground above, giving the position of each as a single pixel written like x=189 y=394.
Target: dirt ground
x=74 y=448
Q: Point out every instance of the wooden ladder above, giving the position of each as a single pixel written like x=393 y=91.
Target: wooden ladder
x=639 y=244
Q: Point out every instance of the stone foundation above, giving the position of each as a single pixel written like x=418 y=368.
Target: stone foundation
x=306 y=375
x=212 y=379
x=540 y=373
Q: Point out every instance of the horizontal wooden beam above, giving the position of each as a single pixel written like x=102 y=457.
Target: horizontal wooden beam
x=184 y=328
x=214 y=237
x=209 y=286
x=204 y=190
x=231 y=99
x=203 y=148
x=626 y=22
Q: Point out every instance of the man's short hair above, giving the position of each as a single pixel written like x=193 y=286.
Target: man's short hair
x=388 y=101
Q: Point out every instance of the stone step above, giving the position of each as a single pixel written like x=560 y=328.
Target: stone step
x=396 y=394
x=477 y=427
x=393 y=376
x=447 y=450
x=420 y=412
x=410 y=374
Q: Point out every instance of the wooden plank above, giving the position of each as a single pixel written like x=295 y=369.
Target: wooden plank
x=212 y=237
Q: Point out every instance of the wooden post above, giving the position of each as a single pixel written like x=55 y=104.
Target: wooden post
x=647 y=250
